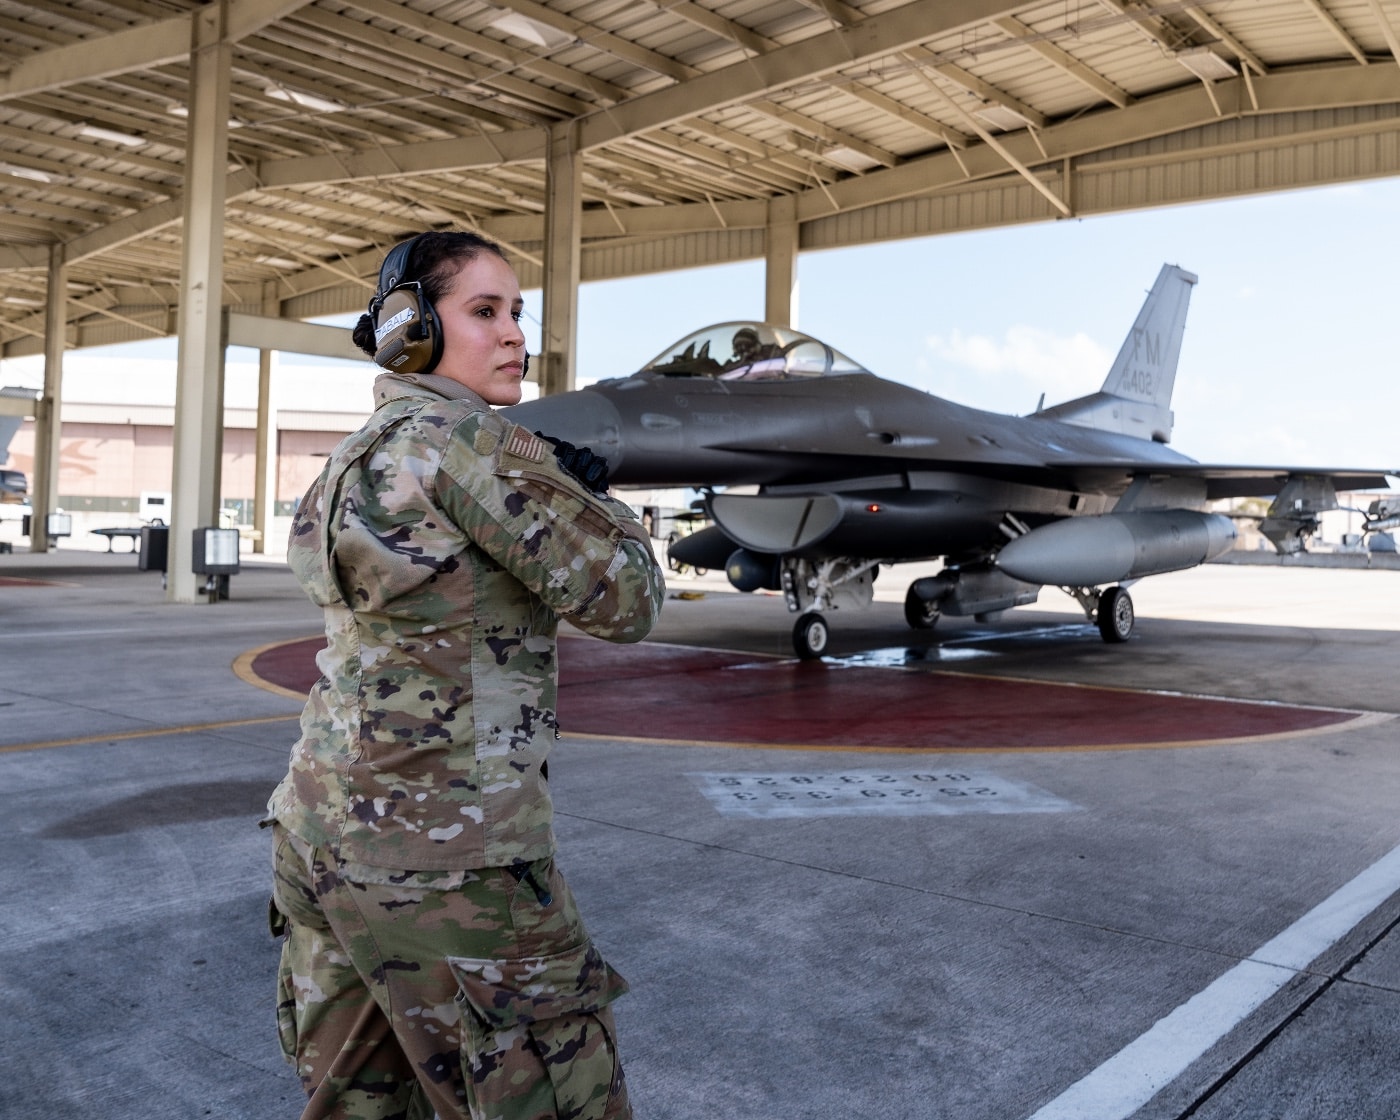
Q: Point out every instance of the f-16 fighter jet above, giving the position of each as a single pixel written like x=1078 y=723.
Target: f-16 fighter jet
x=846 y=471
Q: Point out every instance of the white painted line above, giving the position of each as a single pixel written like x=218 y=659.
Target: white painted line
x=891 y=793
x=1134 y=1075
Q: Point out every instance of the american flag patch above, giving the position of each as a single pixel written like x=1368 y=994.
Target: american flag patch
x=526 y=445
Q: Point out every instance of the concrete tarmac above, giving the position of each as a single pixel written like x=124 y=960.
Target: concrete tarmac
x=1203 y=931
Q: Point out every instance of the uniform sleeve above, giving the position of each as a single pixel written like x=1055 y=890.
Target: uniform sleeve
x=584 y=554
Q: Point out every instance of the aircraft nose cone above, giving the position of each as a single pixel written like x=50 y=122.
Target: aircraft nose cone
x=583 y=418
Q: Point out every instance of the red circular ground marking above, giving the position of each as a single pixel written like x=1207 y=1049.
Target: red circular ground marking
x=675 y=693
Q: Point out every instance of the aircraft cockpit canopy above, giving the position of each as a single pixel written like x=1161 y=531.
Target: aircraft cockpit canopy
x=750 y=352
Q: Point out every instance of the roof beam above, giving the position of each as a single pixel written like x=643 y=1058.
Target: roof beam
x=1278 y=92
x=824 y=132
x=973 y=84
x=1387 y=28
x=379 y=43
x=457 y=154
x=1153 y=26
x=604 y=41
x=874 y=98
x=1056 y=56
x=759 y=77
x=294 y=46
x=398 y=12
x=1337 y=29
x=1325 y=87
x=717 y=24
x=1243 y=53
x=135 y=48
x=997 y=146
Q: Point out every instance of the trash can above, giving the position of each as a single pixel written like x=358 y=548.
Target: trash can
x=155 y=543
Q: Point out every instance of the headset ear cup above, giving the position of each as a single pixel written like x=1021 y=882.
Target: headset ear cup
x=406 y=335
x=432 y=332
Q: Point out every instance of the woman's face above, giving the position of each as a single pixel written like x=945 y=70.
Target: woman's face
x=483 y=347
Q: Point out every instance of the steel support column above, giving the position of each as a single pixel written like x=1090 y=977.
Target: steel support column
x=199 y=388
x=562 y=250
x=265 y=455
x=48 y=415
x=780 y=258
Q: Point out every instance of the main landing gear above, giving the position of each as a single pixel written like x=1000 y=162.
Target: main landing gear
x=920 y=613
x=1111 y=609
x=1115 y=615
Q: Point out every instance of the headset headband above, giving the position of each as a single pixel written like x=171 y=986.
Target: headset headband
x=391 y=272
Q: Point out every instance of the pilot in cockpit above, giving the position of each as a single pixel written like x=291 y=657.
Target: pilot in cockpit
x=748 y=350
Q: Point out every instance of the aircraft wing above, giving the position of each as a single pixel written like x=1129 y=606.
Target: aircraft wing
x=1225 y=481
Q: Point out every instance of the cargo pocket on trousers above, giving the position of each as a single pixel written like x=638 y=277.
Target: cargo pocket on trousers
x=537 y=1036
x=286 y=994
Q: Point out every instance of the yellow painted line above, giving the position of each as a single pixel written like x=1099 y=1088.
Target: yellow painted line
x=147 y=733
x=243 y=668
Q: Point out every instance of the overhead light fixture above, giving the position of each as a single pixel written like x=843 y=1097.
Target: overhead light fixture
x=851 y=159
x=93 y=132
x=277 y=262
x=305 y=100
x=531 y=30
x=1206 y=64
x=26 y=173
x=999 y=116
x=19 y=301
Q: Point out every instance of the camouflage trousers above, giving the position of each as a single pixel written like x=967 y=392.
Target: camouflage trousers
x=466 y=994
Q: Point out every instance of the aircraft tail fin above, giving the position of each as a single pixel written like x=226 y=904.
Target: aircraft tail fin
x=1136 y=396
x=15 y=405
x=9 y=425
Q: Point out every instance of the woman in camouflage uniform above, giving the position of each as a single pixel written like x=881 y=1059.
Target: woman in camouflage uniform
x=433 y=958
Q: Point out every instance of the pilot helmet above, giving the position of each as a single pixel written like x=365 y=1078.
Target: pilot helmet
x=745 y=342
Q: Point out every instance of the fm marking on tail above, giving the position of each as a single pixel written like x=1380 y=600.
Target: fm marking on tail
x=1136 y=396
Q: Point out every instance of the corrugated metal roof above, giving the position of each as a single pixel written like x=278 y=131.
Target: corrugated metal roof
x=356 y=122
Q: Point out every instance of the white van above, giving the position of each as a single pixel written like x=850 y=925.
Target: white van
x=154 y=507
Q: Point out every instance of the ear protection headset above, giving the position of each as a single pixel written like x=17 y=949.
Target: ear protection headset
x=407 y=335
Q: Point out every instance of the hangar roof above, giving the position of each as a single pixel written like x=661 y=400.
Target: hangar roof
x=356 y=122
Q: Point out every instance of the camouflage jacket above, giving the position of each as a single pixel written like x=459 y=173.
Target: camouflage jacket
x=444 y=543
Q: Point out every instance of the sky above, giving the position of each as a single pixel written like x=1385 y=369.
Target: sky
x=1289 y=356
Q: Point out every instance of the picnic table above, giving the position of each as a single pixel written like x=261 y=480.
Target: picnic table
x=112 y=534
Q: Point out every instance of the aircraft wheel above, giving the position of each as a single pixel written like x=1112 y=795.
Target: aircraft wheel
x=675 y=565
x=810 y=636
x=1115 y=615
x=919 y=613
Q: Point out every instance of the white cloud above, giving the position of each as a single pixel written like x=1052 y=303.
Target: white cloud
x=1026 y=361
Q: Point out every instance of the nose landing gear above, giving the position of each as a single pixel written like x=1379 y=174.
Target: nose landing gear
x=810 y=636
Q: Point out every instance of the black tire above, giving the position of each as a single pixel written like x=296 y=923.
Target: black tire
x=920 y=615
x=810 y=636
x=1115 y=615
x=675 y=565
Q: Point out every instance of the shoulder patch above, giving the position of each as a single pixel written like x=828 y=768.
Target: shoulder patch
x=526 y=445
x=486 y=441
